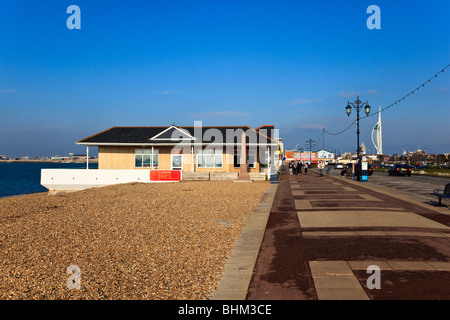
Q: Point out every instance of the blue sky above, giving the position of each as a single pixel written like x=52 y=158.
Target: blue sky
x=294 y=64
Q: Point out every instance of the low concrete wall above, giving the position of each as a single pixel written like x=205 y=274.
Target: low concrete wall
x=257 y=176
x=202 y=176
x=223 y=175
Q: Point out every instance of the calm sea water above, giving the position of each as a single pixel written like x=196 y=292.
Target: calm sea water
x=24 y=177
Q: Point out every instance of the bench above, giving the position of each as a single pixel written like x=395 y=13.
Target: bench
x=442 y=193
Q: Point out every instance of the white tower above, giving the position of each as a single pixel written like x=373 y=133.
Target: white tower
x=377 y=138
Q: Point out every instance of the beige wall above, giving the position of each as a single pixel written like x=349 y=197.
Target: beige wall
x=123 y=158
x=115 y=157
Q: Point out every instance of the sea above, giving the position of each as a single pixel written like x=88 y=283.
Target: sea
x=17 y=178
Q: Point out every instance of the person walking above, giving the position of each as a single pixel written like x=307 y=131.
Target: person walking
x=321 y=166
x=306 y=168
x=300 y=165
x=290 y=167
x=295 y=166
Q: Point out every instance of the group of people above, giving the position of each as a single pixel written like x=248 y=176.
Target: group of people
x=295 y=167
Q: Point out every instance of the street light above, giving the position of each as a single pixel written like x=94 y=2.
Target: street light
x=358 y=105
x=310 y=142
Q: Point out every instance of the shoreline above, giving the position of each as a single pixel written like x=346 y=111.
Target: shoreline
x=21 y=194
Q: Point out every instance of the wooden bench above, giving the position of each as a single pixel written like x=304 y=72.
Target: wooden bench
x=442 y=193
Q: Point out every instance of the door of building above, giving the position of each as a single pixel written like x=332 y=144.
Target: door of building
x=177 y=162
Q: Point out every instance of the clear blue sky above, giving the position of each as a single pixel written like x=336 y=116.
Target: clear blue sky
x=293 y=64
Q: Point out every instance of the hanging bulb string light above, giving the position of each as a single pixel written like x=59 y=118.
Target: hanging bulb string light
x=392 y=104
x=335 y=134
x=407 y=95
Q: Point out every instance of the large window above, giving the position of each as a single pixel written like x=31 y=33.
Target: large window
x=251 y=159
x=144 y=158
x=209 y=158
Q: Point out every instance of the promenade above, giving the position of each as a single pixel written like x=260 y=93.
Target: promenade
x=321 y=234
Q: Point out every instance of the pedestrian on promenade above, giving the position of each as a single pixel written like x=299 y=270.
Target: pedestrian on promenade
x=306 y=168
x=295 y=166
x=321 y=165
x=300 y=165
x=291 y=167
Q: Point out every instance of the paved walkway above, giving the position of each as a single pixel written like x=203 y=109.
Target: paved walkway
x=315 y=238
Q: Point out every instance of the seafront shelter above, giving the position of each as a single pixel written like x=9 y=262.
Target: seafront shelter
x=191 y=149
x=172 y=153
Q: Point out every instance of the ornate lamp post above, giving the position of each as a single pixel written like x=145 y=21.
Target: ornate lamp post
x=310 y=142
x=358 y=105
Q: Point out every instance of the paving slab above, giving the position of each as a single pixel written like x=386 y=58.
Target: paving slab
x=329 y=268
x=369 y=218
x=410 y=265
x=335 y=208
x=297 y=193
x=302 y=204
x=341 y=294
x=369 y=197
x=363 y=265
x=371 y=233
x=440 y=266
x=334 y=280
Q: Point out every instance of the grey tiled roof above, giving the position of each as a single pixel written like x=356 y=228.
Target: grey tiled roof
x=176 y=134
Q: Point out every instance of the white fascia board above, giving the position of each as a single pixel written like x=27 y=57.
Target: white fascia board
x=93 y=144
x=185 y=132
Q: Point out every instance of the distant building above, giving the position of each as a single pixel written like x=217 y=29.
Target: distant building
x=302 y=156
x=324 y=155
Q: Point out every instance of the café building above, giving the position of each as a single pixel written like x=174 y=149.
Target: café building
x=186 y=148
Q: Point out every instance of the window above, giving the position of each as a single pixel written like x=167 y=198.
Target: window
x=251 y=159
x=177 y=162
x=209 y=158
x=144 y=158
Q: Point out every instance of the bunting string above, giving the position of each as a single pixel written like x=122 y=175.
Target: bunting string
x=335 y=134
x=406 y=96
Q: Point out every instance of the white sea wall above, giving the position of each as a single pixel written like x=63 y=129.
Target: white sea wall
x=79 y=179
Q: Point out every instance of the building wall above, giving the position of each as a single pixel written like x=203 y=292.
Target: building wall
x=119 y=157
x=115 y=157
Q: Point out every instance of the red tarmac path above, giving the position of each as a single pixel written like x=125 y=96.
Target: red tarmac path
x=323 y=232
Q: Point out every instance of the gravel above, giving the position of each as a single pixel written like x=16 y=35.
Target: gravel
x=133 y=241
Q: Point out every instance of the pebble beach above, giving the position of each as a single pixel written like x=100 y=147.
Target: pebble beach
x=167 y=241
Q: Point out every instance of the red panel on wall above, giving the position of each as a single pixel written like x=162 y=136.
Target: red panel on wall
x=165 y=175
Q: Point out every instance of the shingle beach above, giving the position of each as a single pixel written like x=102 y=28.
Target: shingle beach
x=132 y=241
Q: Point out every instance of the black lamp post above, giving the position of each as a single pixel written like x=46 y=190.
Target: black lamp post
x=310 y=142
x=358 y=105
